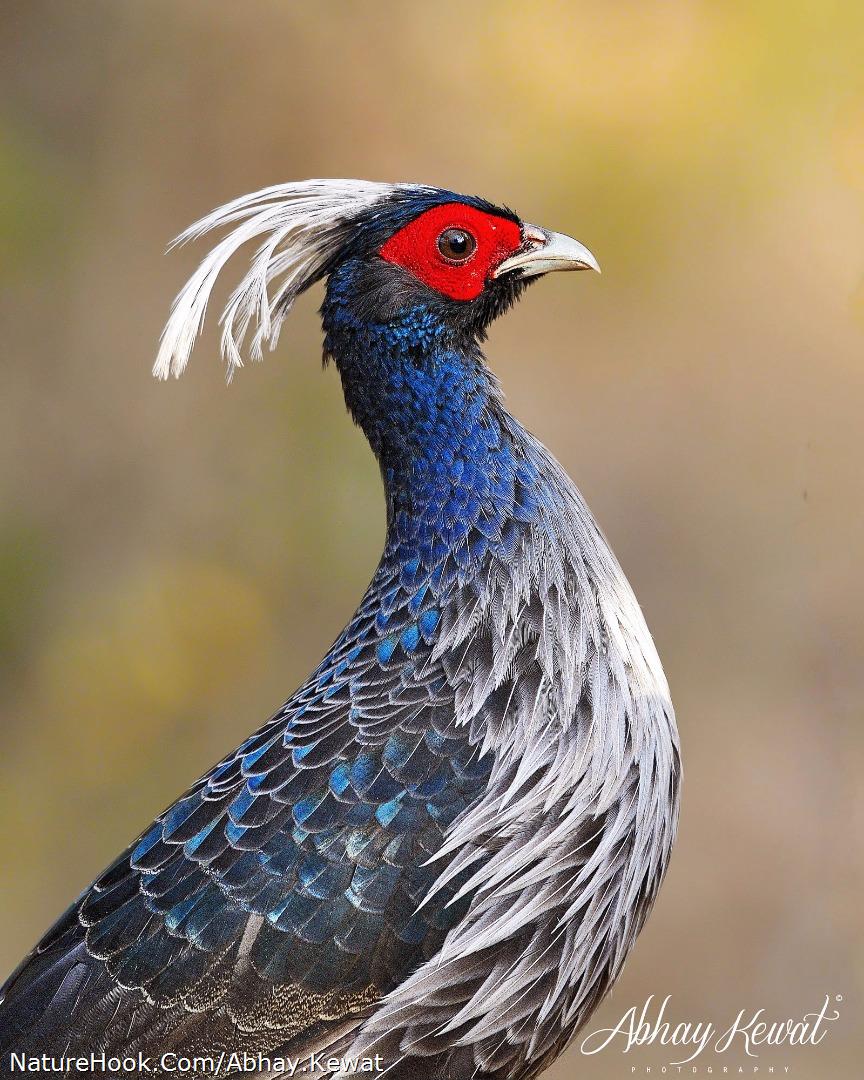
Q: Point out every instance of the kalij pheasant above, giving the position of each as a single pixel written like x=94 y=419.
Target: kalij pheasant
x=434 y=859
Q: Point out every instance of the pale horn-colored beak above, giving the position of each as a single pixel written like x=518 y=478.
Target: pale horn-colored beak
x=542 y=252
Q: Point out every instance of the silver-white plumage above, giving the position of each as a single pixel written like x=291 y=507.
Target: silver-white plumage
x=302 y=224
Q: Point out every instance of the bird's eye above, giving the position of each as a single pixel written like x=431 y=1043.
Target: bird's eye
x=456 y=245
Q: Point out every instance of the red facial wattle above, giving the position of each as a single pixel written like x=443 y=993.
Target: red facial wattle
x=416 y=248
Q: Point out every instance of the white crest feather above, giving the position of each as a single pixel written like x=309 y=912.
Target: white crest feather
x=300 y=223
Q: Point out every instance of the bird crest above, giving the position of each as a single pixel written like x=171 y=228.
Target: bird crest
x=301 y=226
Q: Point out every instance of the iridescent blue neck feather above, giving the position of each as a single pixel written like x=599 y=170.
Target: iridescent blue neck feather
x=456 y=475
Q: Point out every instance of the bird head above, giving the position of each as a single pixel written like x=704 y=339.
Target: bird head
x=385 y=250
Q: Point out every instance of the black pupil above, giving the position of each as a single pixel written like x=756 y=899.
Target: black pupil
x=455 y=244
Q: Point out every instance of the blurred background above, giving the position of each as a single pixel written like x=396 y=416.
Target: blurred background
x=159 y=543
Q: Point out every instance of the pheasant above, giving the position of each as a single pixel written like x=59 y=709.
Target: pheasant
x=433 y=860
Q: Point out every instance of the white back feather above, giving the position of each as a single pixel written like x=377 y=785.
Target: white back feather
x=301 y=224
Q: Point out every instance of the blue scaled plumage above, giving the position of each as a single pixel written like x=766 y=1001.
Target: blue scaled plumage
x=439 y=851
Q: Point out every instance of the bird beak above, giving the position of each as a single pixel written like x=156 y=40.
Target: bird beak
x=542 y=252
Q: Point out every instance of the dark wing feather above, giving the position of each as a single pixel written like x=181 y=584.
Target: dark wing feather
x=277 y=899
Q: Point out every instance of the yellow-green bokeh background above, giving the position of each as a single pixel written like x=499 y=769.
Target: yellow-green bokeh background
x=174 y=558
